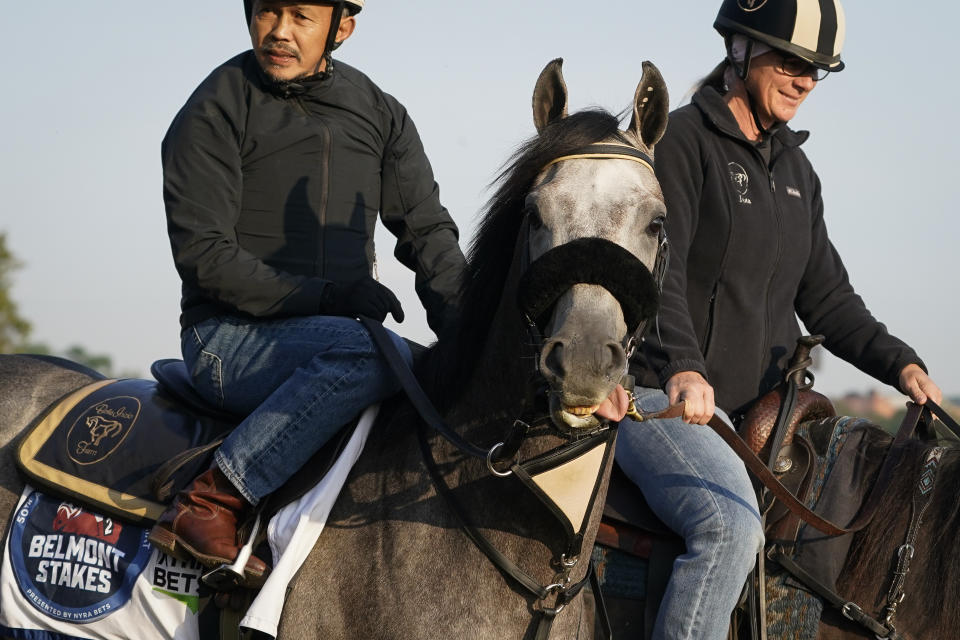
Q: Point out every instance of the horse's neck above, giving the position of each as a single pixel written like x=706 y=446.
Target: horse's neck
x=28 y=385
x=498 y=387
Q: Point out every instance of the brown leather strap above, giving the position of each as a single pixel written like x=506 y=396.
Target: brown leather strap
x=753 y=463
x=871 y=504
x=760 y=470
x=673 y=411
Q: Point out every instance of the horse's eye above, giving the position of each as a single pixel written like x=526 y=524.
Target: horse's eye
x=533 y=214
x=656 y=225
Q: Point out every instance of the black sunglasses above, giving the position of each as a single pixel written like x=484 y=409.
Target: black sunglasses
x=797 y=67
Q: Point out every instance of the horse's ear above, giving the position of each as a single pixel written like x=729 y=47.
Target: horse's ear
x=550 y=95
x=651 y=104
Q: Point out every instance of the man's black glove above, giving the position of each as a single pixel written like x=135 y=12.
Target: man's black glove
x=365 y=297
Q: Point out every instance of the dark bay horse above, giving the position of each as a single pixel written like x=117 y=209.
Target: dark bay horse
x=931 y=585
x=867 y=564
x=581 y=201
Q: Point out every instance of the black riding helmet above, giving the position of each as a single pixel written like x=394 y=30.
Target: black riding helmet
x=812 y=30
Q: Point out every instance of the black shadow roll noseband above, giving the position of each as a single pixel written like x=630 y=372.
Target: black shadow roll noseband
x=589 y=261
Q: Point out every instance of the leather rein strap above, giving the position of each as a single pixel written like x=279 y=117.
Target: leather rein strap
x=414 y=391
x=790 y=501
x=759 y=469
x=763 y=473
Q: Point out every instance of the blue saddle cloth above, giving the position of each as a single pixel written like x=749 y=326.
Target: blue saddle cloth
x=102 y=444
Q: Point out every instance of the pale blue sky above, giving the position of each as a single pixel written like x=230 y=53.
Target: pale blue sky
x=91 y=87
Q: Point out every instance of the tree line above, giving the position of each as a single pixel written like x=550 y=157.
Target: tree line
x=16 y=330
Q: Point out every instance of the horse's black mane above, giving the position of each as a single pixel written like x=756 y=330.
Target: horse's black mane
x=488 y=262
x=936 y=567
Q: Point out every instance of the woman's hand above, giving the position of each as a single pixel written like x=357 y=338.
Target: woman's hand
x=915 y=382
x=615 y=406
x=695 y=392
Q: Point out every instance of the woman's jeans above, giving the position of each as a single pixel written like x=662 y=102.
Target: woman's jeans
x=298 y=381
x=699 y=488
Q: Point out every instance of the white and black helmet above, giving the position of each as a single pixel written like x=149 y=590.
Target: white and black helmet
x=809 y=29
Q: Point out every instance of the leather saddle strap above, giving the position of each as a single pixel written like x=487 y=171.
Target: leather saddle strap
x=162 y=481
x=599 y=603
x=498 y=559
x=770 y=481
x=784 y=417
x=755 y=465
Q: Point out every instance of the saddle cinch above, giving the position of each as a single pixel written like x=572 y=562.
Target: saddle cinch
x=124 y=448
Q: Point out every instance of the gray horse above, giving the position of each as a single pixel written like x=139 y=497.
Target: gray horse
x=394 y=561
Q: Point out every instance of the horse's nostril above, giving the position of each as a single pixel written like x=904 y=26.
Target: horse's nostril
x=618 y=357
x=551 y=359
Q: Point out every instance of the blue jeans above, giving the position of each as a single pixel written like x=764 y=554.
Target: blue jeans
x=298 y=380
x=700 y=489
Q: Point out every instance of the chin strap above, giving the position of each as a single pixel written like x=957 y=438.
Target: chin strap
x=331 y=44
x=742 y=71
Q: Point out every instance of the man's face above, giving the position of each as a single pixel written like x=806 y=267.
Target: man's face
x=289 y=37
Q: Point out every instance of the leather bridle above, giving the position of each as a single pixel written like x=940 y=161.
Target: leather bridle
x=589 y=260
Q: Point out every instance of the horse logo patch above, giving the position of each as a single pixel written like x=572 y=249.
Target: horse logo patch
x=740 y=180
x=71 y=564
x=99 y=430
x=751 y=5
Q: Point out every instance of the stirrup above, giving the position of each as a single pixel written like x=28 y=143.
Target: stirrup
x=228 y=577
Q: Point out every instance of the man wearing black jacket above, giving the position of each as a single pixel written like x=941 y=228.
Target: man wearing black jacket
x=275 y=171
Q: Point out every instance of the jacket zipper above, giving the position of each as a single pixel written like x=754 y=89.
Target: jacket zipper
x=321 y=268
x=776 y=265
x=711 y=317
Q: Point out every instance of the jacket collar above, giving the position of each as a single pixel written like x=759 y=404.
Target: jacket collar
x=301 y=87
x=711 y=103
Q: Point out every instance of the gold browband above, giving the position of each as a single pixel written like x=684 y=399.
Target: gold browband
x=600 y=152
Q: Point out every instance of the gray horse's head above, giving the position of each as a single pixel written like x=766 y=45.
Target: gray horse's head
x=606 y=198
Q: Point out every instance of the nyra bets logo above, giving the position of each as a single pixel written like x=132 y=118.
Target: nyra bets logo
x=741 y=182
x=751 y=5
x=71 y=564
x=100 y=429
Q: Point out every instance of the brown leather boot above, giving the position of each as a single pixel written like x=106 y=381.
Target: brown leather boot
x=202 y=524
